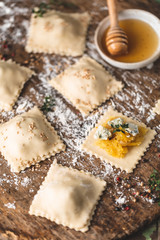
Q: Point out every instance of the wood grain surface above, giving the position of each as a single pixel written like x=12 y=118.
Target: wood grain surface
x=140 y=93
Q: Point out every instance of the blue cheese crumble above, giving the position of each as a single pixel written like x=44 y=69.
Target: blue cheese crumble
x=132 y=129
x=102 y=133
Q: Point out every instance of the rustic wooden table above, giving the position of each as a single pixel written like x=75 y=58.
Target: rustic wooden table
x=140 y=93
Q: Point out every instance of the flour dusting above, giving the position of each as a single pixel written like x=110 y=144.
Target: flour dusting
x=8 y=14
x=10 y=205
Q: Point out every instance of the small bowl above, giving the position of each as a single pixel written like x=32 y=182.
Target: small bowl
x=145 y=16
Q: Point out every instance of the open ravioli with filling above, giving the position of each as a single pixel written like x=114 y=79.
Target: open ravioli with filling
x=119 y=140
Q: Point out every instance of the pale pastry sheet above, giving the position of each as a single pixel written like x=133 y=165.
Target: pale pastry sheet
x=59 y=33
x=131 y=159
x=156 y=109
x=86 y=84
x=12 y=78
x=27 y=139
x=68 y=197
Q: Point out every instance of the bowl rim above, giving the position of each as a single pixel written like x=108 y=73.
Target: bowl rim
x=137 y=13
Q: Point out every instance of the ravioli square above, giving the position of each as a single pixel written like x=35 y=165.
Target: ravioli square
x=68 y=197
x=156 y=109
x=58 y=32
x=27 y=139
x=86 y=84
x=12 y=78
x=135 y=150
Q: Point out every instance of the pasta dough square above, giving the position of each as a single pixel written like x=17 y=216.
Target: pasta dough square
x=12 y=78
x=156 y=109
x=27 y=139
x=68 y=197
x=59 y=33
x=86 y=84
x=127 y=163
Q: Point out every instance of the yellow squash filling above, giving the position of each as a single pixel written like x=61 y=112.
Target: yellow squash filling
x=120 y=142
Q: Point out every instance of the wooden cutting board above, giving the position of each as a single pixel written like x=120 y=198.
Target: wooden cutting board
x=140 y=93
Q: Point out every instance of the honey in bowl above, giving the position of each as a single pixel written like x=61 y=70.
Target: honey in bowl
x=142 y=41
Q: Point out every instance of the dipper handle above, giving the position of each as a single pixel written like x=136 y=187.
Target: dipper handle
x=112 y=12
x=116 y=39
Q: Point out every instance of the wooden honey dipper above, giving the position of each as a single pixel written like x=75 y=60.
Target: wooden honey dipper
x=116 y=39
